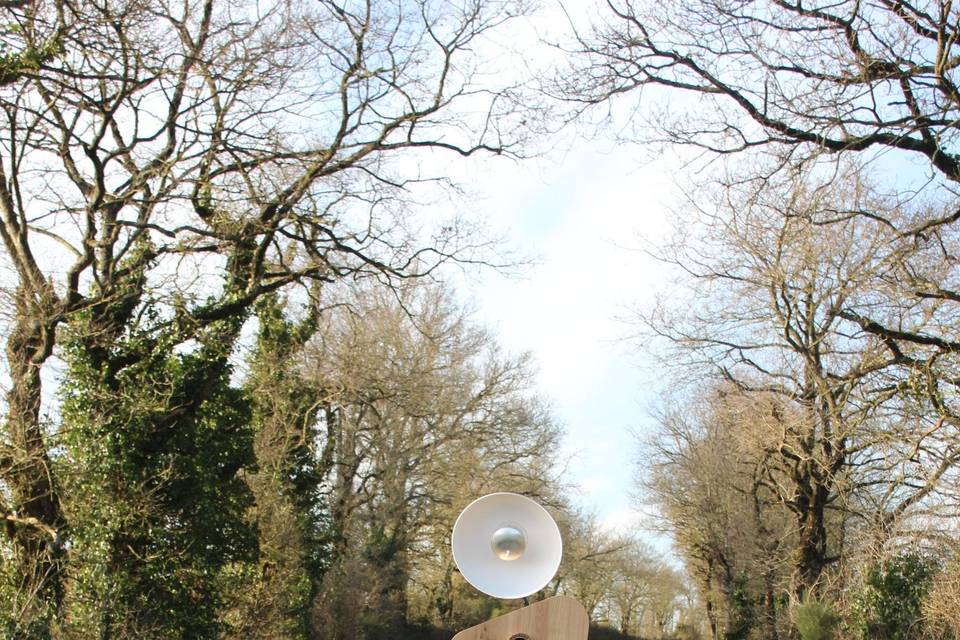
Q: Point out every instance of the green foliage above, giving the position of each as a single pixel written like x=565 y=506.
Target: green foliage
x=15 y=64
x=21 y=617
x=889 y=604
x=742 y=609
x=275 y=596
x=280 y=397
x=155 y=440
x=815 y=620
x=21 y=55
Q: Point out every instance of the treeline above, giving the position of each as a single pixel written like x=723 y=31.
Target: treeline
x=806 y=460
x=313 y=492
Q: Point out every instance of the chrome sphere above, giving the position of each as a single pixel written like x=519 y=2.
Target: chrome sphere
x=508 y=543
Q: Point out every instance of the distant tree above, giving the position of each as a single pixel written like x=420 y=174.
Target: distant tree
x=419 y=412
x=633 y=585
x=621 y=582
x=592 y=562
x=664 y=602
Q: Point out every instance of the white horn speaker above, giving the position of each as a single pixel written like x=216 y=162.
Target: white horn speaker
x=506 y=545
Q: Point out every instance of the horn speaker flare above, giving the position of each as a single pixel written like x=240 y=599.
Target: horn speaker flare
x=506 y=545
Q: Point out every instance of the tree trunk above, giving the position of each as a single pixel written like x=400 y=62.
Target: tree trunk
x=36 y=506
x=707 y=587
x=770 y=606
x=812 y=536
x=625 y=620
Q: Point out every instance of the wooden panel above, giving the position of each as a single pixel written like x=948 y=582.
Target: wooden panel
x=557 y=618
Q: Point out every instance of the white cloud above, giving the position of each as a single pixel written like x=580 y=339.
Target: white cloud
x=622 y=521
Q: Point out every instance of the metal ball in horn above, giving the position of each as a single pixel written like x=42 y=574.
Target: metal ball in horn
x=506 y=545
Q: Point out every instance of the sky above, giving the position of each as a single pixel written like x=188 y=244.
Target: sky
x=580 y=215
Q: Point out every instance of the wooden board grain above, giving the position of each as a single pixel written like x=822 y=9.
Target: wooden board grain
x=557 y=618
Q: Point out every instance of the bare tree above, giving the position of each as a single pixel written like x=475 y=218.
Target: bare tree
x=708 y=485
x=830 y=416
x=798 y=89
x=633 y=585
x=592 y=556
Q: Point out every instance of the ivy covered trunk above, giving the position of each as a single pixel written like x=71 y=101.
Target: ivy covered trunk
x=274 y=597
x=156 y=438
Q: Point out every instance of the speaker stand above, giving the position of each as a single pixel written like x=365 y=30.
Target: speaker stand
x=557 y=618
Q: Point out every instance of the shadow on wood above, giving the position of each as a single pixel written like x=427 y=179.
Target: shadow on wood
x=557 y=618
